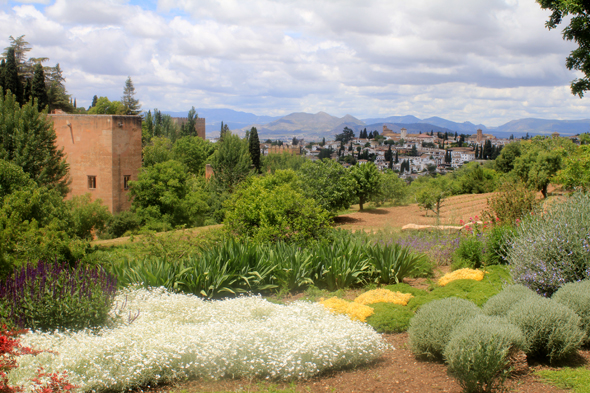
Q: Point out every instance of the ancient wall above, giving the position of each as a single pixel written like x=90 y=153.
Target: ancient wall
x=105 y=147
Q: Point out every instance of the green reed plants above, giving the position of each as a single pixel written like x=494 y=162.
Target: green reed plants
x=392 y=262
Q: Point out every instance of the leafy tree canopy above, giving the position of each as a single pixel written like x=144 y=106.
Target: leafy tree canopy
x=105 y=107
x=367 y=182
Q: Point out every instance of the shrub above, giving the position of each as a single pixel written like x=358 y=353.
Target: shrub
x=512 y=201
x=392 y=262
x=551 y=329
x=496 y=244
x=478 y=352
x=121 y=223
x=381 y=295
x=552 y=249
x=500 y=304
x=577 y=297
x=469 y=254
x=390 y=318
x=430 y=329
x=461 y=274
x=49 y=296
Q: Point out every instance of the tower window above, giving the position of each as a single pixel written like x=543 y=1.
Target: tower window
x=92 y=182
x=126 y=179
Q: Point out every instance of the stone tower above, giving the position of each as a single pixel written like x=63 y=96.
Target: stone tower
x=404 y=133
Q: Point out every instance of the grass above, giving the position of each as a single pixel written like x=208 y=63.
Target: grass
x=577 y=379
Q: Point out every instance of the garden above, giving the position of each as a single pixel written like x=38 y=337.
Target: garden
x=502 y=304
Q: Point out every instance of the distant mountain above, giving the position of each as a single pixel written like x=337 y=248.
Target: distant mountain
x=413 y=128
x=306 y=125
x=462 y=128
x=542 y=127
x=234 y=119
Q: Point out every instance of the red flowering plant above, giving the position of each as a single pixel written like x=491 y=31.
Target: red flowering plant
x=10 y=349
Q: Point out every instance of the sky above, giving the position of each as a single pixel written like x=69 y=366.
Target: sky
x=484 y=61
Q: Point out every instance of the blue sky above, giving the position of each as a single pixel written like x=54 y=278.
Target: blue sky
x=485 y=61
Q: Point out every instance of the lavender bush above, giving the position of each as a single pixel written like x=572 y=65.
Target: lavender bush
x=438 y=246
x=552 y=248
x=47 y=296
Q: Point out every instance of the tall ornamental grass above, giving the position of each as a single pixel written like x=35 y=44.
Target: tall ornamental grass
x=181 y=336
x=552 y=248
x=47 y=296
x=241 y=266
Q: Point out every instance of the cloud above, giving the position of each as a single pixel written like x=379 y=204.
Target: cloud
x=489 y=61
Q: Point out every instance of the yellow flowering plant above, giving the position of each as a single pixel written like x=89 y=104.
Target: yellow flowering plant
x=356 y=311
x=461 y=274
x=384 y=296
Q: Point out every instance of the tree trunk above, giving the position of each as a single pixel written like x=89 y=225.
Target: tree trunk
x=361 y=202
x=544 y=191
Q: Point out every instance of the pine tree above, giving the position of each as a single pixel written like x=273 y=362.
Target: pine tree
x=39 y=91
x=254 y=147
x=128 y=100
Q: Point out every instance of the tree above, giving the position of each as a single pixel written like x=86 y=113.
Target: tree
x=432 y=195
x=254 y=149
x=12 y=82
x=367 y=182
x=131 y=104
x=231 y=162
x=94 y=101
x=106 y=107
x=39 y=92
x=328 y=183
x=27 y=139
x=578 y=31
x=414 y=151
x=325 y=153
x=58 y=96
x=576 y=170
x=346 y=136
x=389 y=154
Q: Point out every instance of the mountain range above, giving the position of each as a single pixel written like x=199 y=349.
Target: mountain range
x=320 y=125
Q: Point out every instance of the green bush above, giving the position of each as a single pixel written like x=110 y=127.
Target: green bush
x=469 y=253
x=120 y=224
x=551 y=329
x=430 y=329
x=390 y=318
x=577 y=297
x=500 y=304
x=478 y=352
x=551 y=249
x=496 y=244
x=406 y=288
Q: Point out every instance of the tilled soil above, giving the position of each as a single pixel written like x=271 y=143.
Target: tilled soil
x=396 y=371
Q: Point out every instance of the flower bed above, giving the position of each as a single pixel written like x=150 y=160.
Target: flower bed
x=178 y=336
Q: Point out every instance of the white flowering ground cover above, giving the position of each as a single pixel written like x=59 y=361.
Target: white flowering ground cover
x=179 y=336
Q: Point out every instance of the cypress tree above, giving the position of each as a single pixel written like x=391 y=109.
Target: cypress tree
x=38 y=89
x=94 y=101
x=11 y=79
x=254 y=147
x=2 y=66
x=396 y=157
x=476 y=151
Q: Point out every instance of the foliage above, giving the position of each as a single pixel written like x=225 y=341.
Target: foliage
x=47 y=296
x=105 y=107
x=39 y=92
x=193 y=152
x=271 y=209
x=511 y=202
x=157 y=151
x=540 y=160
x=176 y=337
x=393 y=262
x=274 y=162
x=158 y=125
x=231 y=162
x=392 y=188
x=478 y=352
x=27 y=139
x=576 y=296
x=381 y=295
x=346 y=136
x=469 y=254
x=475 y=179
x=500 y=304
x=551 y=329
x=10 y=349
x=432 y=195
x=119 y=224
x=390 y=318
x=129 y=102
x=254 y=148
x=328 y=183
x=87 y=216
x=505 y=161
x=166 y=193
x=576 y=170
x=366 y=179
x=430 y=329
x=551 y=249
x=576 y=11
x=496 y=244
x=439 y=246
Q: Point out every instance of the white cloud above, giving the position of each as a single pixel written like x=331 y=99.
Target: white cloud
x=484 y=61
